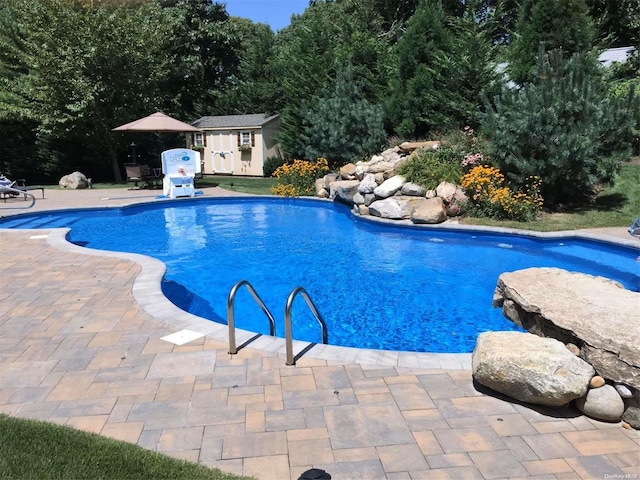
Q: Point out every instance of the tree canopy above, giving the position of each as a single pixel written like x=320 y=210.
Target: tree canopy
x=72 y=70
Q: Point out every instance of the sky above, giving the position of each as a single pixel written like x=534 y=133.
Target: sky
x=276 y=13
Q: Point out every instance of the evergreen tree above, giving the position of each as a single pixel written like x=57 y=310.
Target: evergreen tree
x=617 y=23
x=322 y=41
x=554 y=24
x=563 y=128
x=252 y=88
x=421 y=95
x=343 y=125
x=475 y=61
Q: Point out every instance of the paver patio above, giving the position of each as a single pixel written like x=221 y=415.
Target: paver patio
x=81 y=344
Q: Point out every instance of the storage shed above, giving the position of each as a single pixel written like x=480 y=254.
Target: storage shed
x=236 y=144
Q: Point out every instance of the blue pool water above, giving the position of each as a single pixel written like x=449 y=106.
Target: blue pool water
x=377 y=286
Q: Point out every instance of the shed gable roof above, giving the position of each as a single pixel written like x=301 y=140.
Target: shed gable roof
x=233 y=121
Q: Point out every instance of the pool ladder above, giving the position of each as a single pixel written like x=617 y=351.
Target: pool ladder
x=288 y=335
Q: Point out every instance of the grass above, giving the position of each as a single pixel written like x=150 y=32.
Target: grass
x=34 y=449
x=252 y=185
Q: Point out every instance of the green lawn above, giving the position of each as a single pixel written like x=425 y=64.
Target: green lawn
x=253 y=185
x=34 y=449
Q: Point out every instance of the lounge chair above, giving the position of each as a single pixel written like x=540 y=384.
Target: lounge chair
x=141 y=173
x=9 y=189
x=21 y=184
x=6 y=188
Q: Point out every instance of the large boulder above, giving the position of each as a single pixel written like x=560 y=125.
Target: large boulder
x=530 y=368
x=343 y=190
x=411 y=146
x=74 y=181
x=396 y=208
x=430 y=211
x=594 y=313
x=389 y=187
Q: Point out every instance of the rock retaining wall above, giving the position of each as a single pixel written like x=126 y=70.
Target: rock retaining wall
x=374 y=188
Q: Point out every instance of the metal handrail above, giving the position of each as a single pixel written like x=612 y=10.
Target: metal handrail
x=233 y=349
x=287 y=322
x=17 y=191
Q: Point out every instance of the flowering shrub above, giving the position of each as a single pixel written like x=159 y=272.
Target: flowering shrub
x=298 y=178
x=491 y=198
x=472 y=159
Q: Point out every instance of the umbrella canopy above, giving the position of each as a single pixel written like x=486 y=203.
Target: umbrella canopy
x=157 y=122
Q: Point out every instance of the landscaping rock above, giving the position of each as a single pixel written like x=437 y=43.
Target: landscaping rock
x=413 y=190
x=74 y=181
x=596 y=382
x=595 y=313
x=378 y=168
x=358 y=199
x=632 y=416
x=389 y=187
x=602 y=403
x=411 y=146
x=431 y=211
x=396 y=208
x=529 y=368
x=344 y=190
x=320 y=190
x=368 y=184
x=446 y=191
x=573 y=349
x=623 y=391
x=348 y=171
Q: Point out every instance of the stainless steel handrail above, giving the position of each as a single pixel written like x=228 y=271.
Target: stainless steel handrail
x=288 y=336
x=17 y=191
x=233 y=349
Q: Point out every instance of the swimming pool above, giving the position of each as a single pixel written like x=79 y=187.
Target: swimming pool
x=378 y=286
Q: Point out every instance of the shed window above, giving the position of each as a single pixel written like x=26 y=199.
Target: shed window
x=198 y=140
x=246 y=139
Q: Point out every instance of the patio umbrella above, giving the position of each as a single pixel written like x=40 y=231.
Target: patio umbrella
x=157 y=122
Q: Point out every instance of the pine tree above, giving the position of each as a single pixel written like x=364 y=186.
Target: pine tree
x=343 y=125
x=421 y=98
x=554 y=24
x=563 y=128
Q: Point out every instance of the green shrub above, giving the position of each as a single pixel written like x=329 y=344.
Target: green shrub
x=271 y=164
x=429 y=167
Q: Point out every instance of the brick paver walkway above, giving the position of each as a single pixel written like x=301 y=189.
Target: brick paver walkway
x=81 y=344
